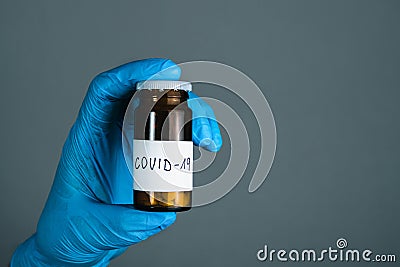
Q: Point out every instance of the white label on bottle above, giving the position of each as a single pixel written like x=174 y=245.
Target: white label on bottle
x=163 y=166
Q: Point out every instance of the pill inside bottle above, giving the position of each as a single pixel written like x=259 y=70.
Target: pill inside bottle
x=162 y=146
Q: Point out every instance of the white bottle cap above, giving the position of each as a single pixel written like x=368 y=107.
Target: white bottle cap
x=164 y=85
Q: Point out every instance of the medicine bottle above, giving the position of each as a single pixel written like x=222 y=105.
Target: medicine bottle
x=162 y=146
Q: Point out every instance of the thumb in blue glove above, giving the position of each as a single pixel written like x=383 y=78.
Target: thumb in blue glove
x=81 y=223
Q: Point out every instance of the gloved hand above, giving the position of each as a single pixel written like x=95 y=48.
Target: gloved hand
x=81 y=223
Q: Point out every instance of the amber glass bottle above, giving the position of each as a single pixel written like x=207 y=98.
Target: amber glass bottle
x=163 y=148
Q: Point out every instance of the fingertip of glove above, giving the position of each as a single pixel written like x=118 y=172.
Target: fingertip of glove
x=205 y=138
x=170 y=219
x=217 y=142
x=168 y=63
x=213 y=145
x=160 y=219
x=134 y=220
x=168 y=71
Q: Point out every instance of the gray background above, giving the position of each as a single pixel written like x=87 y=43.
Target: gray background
x=330 y=70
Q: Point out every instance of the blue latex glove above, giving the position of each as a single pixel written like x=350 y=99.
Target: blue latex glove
x=81 y=223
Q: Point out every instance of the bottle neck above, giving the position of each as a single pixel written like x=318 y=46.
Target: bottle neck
x=166 y=97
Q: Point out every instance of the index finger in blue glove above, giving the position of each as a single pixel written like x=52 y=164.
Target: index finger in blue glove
x=110 y=91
